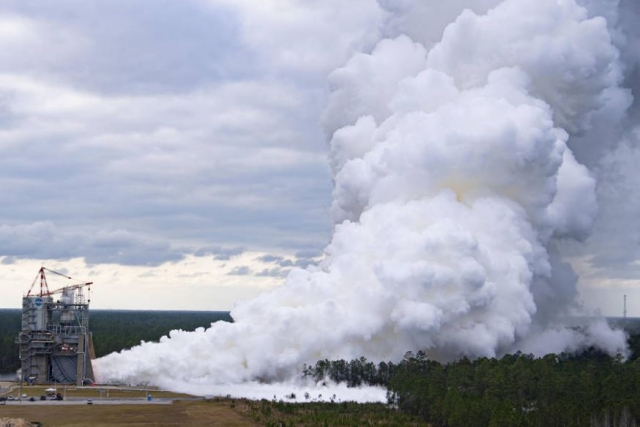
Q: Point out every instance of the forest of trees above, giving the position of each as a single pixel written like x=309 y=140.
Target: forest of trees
x=117 y=330
x=10 y=321
x=586 y=389
x=113 y=330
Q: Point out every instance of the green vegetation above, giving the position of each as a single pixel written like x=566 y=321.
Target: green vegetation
x=118 y=330
x=519 y=390
x=319 y=414
x=10 y=321
x=584 y=389
x=112 y=330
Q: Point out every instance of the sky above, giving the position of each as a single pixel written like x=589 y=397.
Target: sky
x=176 y=153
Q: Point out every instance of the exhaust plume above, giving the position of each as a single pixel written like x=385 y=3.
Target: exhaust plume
x=451 y=153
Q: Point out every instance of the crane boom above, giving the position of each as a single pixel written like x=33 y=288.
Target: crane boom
x=44 y=287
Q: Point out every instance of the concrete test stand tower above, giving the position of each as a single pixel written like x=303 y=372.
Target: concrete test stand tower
x=55 y=341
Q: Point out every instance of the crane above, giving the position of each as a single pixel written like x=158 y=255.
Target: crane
x=44 y=287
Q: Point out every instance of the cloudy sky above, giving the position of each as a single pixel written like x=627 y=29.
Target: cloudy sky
x=173 y=151
x=170 y=150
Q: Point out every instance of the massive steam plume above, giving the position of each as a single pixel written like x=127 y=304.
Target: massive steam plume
x=451 y=152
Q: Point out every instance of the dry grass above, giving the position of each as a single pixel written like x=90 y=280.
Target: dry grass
x=180 y=413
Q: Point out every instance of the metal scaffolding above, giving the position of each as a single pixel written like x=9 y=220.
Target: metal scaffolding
x=55 y=340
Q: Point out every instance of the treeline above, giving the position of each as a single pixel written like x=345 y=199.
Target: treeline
x=10 y=321
x=272 y=413
x=587 y=389
x=353 y=373
x=118 y=330
x=113 y=330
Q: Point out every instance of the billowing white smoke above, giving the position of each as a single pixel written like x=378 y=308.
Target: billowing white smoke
x=453 y=179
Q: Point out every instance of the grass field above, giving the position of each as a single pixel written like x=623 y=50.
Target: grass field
x=217 y=412
x=180 y=413
x=212 y=412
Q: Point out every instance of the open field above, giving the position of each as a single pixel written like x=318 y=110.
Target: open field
x=179 y=413
x=216 y=412
x=128 y=406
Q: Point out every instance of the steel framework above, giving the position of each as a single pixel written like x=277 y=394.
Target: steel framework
x=55 y=341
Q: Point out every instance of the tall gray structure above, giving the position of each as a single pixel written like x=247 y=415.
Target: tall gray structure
x=55 y=340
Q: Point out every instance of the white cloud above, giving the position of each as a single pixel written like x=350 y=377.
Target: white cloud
x=31 y=44
x=175 y=158
x=310 y=37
